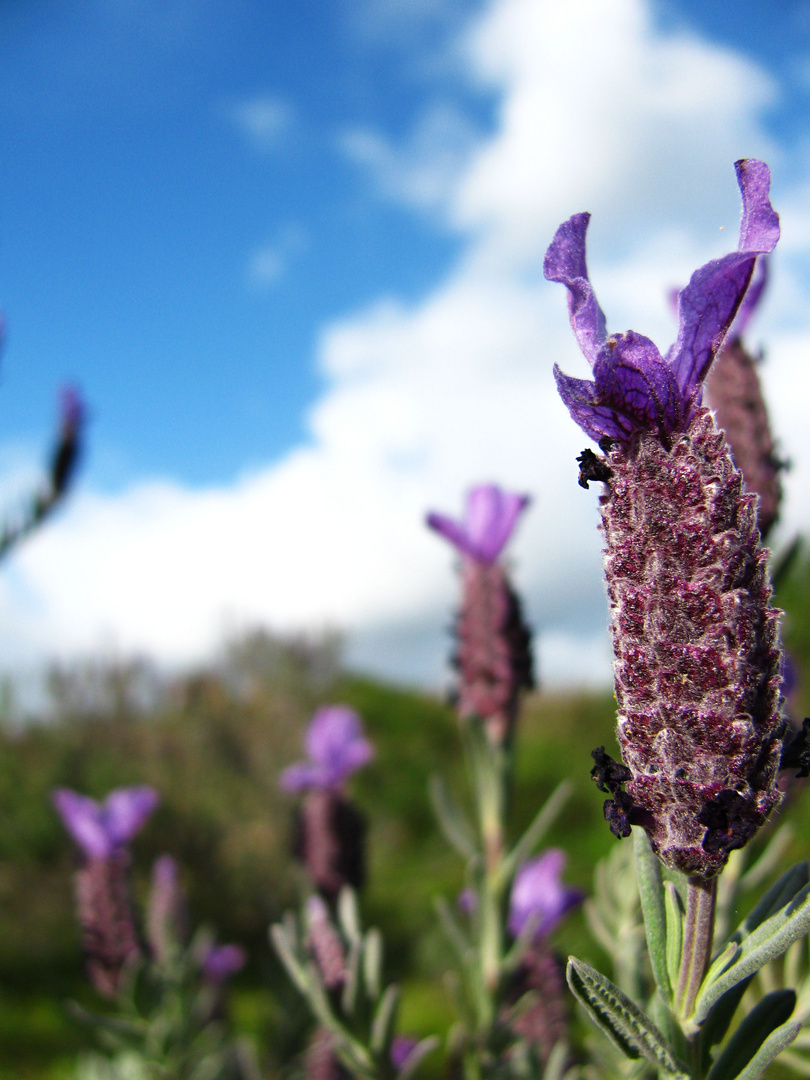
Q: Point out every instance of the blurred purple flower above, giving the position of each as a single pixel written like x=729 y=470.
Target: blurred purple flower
x=102 y=829
x=635 y=388
x=539 y=896
x=489 y=521
x=336 y=748
x=468 y=901
x=222 y=961
x=402 y=1046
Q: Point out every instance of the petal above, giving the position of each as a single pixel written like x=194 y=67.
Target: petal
x=222 y=961
x=751 y=299
x=539 y=896
x=451 y=530
x=759 y=229
x=706 y=309
x=335 y=742
x=565 y=263
x=597 y=421
x=632 y=376
x=301 y=776
x=126 y=810
x=708 y=304
x=491 y=518
x=84 y=820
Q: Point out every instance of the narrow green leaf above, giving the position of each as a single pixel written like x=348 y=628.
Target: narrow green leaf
x=285 y=950
x=348 y=915
x=779 y=894
x=650 y=886
x=674 y=916
x=748 y=1040
x=622 y=1020
x=351 y=980
x=776 y=1042
x=720 y=1016
x=545 y=818
x=455 y=935
x=382 y=1027
x=768 y=941
x=452 y=822
x=722 y=962
x=372 y=963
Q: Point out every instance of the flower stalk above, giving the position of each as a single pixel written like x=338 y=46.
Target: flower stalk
x=698 y=936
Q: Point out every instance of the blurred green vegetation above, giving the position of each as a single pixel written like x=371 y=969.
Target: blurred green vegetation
x=213 y=743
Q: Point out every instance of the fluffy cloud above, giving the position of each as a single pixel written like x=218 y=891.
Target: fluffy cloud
x=263 y=120
x=597 y=109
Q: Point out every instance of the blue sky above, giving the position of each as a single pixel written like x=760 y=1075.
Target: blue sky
x=290 y=254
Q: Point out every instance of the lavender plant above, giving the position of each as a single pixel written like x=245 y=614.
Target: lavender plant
x=169 y=992
x=697 y=664
x=335 y=965
x=502 y=954
x=512 y=1010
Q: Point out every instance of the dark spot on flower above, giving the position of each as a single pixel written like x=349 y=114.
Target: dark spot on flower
x=607 y=773
x=592 y=467
x=730 y=822
x=616 y=814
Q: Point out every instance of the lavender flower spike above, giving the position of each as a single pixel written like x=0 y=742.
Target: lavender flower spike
x=330 y=832
x=493 y=655
x=101 y=829
x=697 y=659
x=634 y=388
x=336 y=748
x=104 y=907
x=539 y=897
x=734 y=393
x=489 y=522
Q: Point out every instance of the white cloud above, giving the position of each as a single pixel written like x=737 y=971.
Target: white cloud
x=269 y=264
x=426 y=170
x=598 y=110
x=263 y=120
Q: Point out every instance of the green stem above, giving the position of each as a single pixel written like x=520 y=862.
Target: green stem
x=491 y=768
x=698 y=935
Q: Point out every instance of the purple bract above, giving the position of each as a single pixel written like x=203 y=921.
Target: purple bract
x=539 y=897
x=634 y=388
x=489 y=521
x=336 y=748
x=222 y=961
x=101 y=829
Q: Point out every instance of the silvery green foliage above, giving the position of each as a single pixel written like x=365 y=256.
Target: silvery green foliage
x=169 y=1024
x=698 y=1035
x=338 y=969
x=512 y=1017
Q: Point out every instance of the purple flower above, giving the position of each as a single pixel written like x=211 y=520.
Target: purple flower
x=102 y=829
x=751 y=299
x=222 y=961
x=634 y=388
x=402 y=1046
x=539 y=896
x=467 y=901
x=336 y=748
x=489 y=522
